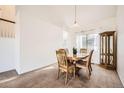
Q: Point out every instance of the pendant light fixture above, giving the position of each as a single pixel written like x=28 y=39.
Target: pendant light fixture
x=75 y=18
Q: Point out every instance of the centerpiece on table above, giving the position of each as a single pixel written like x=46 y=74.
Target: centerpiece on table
x=74 y=51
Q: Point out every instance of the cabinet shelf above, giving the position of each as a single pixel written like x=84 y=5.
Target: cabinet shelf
x=106 y=54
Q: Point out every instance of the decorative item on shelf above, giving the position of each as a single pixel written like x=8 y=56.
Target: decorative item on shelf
x=74 y=51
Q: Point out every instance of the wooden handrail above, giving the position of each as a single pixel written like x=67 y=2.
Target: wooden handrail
x=7 y=20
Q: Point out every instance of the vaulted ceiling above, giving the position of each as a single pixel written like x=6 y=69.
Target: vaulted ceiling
x=63 y=15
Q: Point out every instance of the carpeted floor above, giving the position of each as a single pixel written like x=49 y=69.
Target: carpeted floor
x=46 y=78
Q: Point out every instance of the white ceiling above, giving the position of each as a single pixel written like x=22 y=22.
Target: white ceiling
x=63 y=15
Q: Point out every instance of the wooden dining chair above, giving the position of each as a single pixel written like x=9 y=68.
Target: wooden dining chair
x=83 y=50
x=64 y=65
x=67 y=51
x=86 y=64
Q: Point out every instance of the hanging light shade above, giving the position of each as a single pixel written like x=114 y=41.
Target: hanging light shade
x=75 y=19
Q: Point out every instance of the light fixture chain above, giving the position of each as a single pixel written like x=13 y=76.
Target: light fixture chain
x=75 y=15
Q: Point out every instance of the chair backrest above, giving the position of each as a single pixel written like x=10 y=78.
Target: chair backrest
x=62 y=57
x=67 y=51
x=83 y=50
x=89 y=58
x=62 y=50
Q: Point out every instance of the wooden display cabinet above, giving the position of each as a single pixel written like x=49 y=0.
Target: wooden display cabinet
x=108 y=49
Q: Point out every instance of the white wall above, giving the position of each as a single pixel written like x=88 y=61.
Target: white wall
x=38 y=39
x=71 y=41
x=120 y=47
x=7 y=54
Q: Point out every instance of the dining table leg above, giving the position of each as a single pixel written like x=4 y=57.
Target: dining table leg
x=74 y=73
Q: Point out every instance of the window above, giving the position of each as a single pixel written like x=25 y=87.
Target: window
x=92 y=41
x=88 y=41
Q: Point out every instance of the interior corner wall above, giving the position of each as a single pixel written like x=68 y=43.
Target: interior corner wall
x=120 y=43
x=38 y=40
x=17 y=43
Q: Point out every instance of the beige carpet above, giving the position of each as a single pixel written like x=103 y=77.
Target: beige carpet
x=46 y=78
